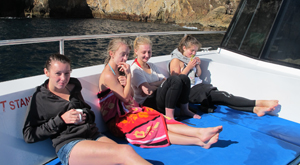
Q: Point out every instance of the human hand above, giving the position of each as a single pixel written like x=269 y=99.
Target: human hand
x=198 y=61
x=124 y=67
x=122 y=80
x=73 y=117
x=192 y=63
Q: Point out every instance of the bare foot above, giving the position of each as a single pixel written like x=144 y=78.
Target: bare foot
x=189 y=113
x=211 y=141
x=196 y=116
x=261 y=111
x=207 y=133
x=267 y=103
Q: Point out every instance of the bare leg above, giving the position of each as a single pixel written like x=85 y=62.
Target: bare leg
x=204 y=134
x=104 y=151
x=187 y=140
x=184 y=110
x=170 y=112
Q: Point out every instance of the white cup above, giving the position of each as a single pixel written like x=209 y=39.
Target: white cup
x=80 y=117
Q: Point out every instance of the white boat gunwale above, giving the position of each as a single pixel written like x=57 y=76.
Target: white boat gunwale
x=218 y=68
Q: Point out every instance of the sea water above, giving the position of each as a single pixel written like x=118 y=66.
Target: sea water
x=28 y=60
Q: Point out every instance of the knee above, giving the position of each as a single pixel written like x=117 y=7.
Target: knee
x=125 y=154
x=185 y=80
x=174 y=78
x=126 y=149
x=175 y=81
x=226 y=94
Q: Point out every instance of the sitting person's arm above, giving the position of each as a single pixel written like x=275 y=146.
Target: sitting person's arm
x=123 y=93
x=198 y=69
x=147 y=88
x=139 y=80
x=157 y=83
x=177 y=67
x=37 y=129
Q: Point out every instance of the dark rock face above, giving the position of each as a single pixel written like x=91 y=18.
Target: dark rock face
x=14 y=8
x=69 y=9
x=204 y=14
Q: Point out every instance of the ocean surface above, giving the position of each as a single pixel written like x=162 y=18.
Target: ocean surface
x=28 y=60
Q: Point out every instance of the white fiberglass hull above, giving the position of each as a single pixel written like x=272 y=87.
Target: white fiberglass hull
x=239 y=75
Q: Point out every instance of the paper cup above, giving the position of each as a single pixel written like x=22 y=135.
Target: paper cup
x=80 y=117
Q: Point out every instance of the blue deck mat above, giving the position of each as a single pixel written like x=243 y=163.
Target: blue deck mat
x=245 y=139
x=270 y=125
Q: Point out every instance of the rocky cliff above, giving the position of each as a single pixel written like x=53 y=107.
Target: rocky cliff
x=205 y=14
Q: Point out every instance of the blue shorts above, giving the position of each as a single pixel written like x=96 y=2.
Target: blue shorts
x=64 y=152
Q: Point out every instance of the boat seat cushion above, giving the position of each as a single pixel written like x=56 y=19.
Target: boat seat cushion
x=245 y=139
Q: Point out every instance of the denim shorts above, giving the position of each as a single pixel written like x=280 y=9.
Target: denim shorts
x=64 y=152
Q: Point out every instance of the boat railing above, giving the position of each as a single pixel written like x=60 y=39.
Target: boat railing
x=62 y=39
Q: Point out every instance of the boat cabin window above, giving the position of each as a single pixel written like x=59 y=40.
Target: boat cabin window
x=266 y=30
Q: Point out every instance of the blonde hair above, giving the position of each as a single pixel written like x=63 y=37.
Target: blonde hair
x=114 y=45
x=141 y=40
x=188 y=41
